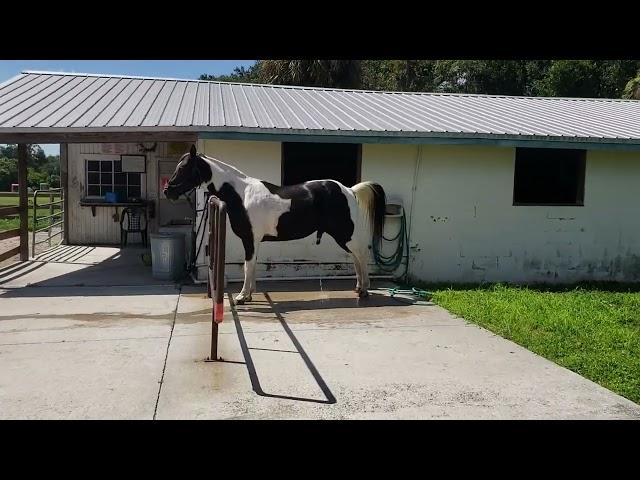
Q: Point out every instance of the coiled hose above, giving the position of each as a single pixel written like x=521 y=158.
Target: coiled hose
x=391 y=263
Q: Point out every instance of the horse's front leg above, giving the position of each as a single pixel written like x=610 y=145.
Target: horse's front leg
x=249 y=286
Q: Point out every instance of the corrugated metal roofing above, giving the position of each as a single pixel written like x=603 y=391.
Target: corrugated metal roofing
x=47 y=101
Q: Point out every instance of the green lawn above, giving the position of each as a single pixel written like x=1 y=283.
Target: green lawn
x=14 y=221
x=592 y=330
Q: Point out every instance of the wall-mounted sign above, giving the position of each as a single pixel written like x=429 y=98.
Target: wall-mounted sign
x=133 y=163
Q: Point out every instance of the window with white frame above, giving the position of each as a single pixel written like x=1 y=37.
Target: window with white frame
x=107 y=176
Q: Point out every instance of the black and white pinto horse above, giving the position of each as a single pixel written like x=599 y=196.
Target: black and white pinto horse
x=259 y=211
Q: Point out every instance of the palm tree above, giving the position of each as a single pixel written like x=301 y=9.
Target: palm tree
x=312 y=73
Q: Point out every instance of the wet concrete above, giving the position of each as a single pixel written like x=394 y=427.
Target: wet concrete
x=306 y=349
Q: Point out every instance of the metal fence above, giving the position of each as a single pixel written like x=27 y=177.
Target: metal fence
x=51 y=217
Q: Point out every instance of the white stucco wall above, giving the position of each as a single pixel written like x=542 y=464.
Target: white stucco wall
x=468 y=230
x=464 y=227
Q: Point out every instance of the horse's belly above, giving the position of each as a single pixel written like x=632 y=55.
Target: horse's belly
x=290 y=234
x=293 y=227
x=284 y=238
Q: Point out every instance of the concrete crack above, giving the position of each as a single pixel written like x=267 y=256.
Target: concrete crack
x=164 y=367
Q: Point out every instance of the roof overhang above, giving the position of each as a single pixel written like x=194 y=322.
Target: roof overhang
x=433 y=138
x=191 y=134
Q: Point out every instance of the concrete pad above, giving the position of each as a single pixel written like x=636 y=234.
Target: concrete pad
x=92 y=379
x=48 y=314
x=387 y=361
x=95 y=354
x=300 y=350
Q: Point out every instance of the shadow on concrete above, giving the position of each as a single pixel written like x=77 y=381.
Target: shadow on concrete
x=18 y=270
x=374 y=300
x=72 y=266
x=253 y=375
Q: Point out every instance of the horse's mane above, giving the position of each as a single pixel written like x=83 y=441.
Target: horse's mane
x=224 y=166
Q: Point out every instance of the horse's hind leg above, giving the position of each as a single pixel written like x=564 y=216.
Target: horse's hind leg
x=356 y=264
x=249 y=285
x=359 y=263
x=363 y=281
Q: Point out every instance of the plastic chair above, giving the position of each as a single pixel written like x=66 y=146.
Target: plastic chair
x=136 y=223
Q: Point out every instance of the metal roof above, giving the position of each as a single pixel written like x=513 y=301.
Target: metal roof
x=35 y=102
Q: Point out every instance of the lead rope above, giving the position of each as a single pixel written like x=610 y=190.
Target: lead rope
x=203 y=222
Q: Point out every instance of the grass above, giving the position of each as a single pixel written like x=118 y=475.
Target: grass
x=14 y=221
x=593 y=330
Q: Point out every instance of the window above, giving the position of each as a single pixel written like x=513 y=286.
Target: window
x=107 y=176
x=302 y=162
x=545 y=176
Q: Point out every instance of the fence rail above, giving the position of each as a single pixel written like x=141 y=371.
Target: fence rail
x=51 y=193
x=14 y=232
x=9 y=211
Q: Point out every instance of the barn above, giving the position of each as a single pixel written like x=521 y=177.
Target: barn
x=481 y=188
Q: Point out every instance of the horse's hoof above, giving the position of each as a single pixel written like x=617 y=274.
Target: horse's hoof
x=241 y=300
x=363 y=293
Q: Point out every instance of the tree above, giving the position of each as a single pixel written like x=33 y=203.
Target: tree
x=489 y=77
x=8 y=173
x=35 y=154
x=40 y=167
x=632 y=89
x=35 y=178
x=553 y=78
x=240 y=74
x=588 y=78
x=312 y=73
x=398 y=75
x=52 y=165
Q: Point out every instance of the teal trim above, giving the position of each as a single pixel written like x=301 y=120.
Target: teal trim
x=424 y=140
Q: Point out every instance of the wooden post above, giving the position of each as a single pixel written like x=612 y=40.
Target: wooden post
x=64 y=183
x=24 y=202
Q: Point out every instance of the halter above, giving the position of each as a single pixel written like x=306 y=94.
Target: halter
x=188 y=193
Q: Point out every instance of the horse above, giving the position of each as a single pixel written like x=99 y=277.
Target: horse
x=260 y=211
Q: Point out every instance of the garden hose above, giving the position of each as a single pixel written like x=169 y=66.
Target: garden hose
x=416 y=292
x=391 y=263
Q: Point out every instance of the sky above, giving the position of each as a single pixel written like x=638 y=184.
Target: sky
x=190 y=69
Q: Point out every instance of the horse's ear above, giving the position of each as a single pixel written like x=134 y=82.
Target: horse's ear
x=193 y=152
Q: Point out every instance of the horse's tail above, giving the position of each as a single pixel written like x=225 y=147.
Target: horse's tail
x=373 y=201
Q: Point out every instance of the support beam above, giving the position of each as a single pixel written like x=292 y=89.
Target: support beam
x=24 y=202
x=98 y=137
x=64 y=183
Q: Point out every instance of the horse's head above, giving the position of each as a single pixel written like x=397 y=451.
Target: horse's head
x=191 y=172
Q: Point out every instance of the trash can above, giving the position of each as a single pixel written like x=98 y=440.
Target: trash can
x=167 y=255
x=187 y=229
